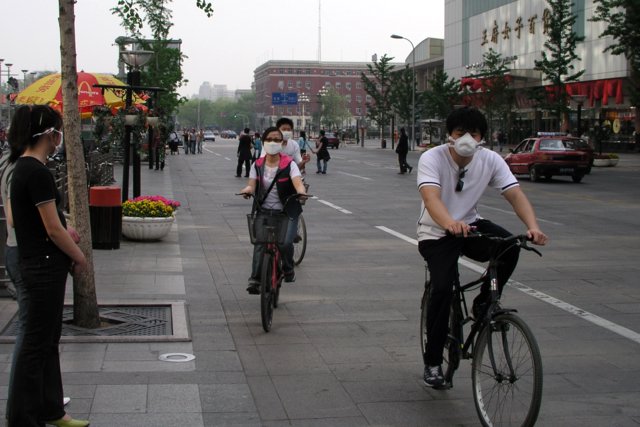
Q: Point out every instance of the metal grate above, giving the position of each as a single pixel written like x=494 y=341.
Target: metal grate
x=117 y=321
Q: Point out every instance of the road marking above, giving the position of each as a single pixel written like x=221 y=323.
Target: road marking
x=336 y=207
x=226 y=158
x=513 y=213
x=577 y=311
x=355 y=176
x=212 y=152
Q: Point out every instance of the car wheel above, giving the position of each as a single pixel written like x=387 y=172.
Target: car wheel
x=577 y=177
x=533 y=174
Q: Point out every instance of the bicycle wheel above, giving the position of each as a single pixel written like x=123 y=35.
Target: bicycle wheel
x=266 y=292
x=300 y=241
x=276 y=280
x=451 y=353
x=508 y=391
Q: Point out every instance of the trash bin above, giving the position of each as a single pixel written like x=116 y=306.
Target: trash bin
x=105 y=211
x=384 y=143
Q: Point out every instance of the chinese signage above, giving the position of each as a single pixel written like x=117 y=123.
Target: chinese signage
x=506 y=31
x=284 y=98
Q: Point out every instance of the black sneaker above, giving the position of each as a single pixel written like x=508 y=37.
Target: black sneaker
x=290 y=277
x=479 y=308
x=254 y=286
x=433 y=376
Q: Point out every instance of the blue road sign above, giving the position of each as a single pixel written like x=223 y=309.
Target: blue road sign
x=284 y=98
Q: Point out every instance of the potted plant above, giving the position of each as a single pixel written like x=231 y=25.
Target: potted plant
x=148 y=217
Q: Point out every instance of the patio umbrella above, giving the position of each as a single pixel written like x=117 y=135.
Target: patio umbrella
x=47 y=90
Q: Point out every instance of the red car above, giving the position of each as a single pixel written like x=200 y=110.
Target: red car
x=550 y=155
x=334 y=142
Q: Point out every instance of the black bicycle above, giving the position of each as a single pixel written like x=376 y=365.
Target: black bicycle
x=506 y=367
x=269 y=229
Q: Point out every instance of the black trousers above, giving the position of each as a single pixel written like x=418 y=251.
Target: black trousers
x=37 y=381
x=402 y=160
x=442 y=256
x=247 y=165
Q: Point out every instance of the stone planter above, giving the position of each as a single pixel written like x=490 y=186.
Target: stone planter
x=153 y=121
x=135 y=228
x=605 y=162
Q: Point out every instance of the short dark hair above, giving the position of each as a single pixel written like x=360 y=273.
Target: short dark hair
x=246 y=130
x=269 y=130
x=322 y=132
x=284 y=121
x=468 y=118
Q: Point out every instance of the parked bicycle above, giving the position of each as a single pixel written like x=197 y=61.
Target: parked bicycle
x=269 y=229
x=506 y=367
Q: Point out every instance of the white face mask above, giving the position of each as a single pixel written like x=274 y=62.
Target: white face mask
x=272 y=148
x=466 y=145
x=287 y=135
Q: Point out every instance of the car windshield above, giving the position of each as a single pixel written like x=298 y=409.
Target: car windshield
x=577 y=144
x=556 y=145
x=329 y=135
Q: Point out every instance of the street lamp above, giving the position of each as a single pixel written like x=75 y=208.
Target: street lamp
x=134 y=59
x=413 y=89
x=579 y=99
x=9 y=90
x=321 y=93
x=24 y=79
x=1 y=61
x=303 y=98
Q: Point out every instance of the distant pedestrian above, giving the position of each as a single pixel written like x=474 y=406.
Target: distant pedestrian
x=502 y=140
x=322 y=153
x=199 y=140
x=402 y=149
x=244 y=153
x=48 y=251
x=185 y=140
x=257 y=146
x=192 y=140
x=303 y=143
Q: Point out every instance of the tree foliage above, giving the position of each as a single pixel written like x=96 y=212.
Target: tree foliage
x=443 y=93
x=220 y=114
x=497 y=96
x=402 y=96
x=378 y=87
x=557 y=66
x=622 y=18
x=334 y=107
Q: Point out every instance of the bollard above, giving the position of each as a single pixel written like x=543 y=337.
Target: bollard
x=105 y=210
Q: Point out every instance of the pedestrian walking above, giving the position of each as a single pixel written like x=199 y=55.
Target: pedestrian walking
x=257 y=146
x=48 y=251
x=192 y=140
x=244 y=153
x=199 y=140
x=322 y=153
x=402 y=149
x=303 y=143
x=185 y=140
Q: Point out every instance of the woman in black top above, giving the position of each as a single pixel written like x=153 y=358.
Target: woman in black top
x=402 y=149
x=322 y=153
x=47 y=254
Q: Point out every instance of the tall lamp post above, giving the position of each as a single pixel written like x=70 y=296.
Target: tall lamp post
x=321 y=93
x=303 y=98
x=9 y=90
x=24 y=79
x=134 y=59
x=413 y=88
x=1 y=112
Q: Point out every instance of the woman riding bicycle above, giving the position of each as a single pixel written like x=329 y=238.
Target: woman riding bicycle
x=273 y=180
x=451 y=180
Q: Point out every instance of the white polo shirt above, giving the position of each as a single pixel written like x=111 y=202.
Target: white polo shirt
x=437 y=168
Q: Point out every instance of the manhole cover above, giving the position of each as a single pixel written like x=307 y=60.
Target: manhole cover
x=177 y=357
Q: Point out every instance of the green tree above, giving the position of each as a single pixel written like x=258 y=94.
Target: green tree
x=334 y=108
x=442 y=95
x=378 y=87
x=497 y=97
x=558 y=56
x=85 y=305
x=402 y=96
x=622 y=18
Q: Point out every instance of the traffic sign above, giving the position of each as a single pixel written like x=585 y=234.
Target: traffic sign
x=284 y=98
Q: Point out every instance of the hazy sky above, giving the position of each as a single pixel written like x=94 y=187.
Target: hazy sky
x=226 y=48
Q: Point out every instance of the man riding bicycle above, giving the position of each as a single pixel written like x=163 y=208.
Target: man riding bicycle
x=273 y=179
x=451 y=179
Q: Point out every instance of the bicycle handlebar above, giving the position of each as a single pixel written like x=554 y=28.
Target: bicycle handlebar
x=518 y=239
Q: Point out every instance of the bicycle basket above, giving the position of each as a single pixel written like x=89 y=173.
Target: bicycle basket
x=266 y=228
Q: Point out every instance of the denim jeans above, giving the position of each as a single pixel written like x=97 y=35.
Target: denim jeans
x=37 y=381
x=12 y=263
x=322 y=169
x=286 y=250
